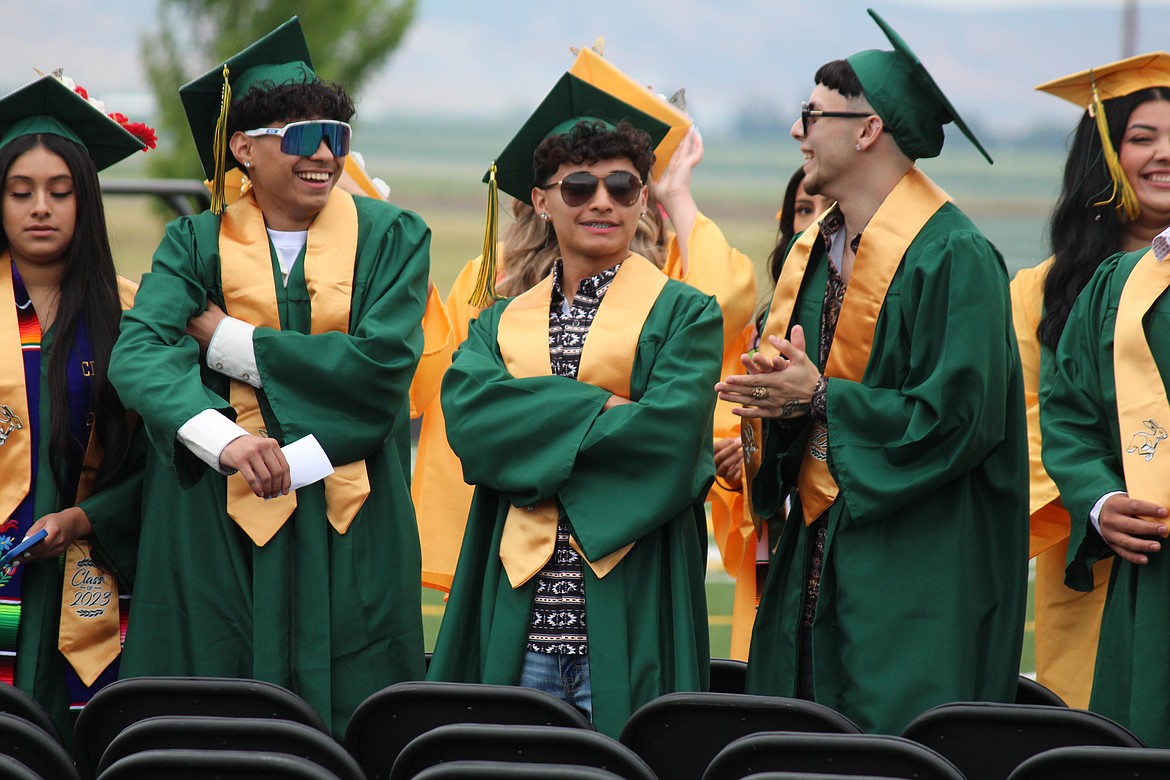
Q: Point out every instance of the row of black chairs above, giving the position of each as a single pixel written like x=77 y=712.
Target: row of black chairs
x=409 y=729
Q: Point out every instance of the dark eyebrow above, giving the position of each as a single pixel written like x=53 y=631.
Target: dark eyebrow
x=54 y=180
x=1151 y=128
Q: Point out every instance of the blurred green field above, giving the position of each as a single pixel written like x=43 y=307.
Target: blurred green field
x=434 y=168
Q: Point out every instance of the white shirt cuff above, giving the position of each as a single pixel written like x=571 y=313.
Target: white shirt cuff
x=1095 y=512
x=206 y=434
x=231 y=352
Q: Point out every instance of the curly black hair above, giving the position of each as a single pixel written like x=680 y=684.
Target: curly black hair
x=590 y=142
x=264 y=104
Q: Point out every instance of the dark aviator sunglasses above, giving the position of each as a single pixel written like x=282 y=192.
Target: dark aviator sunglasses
x=578 y=188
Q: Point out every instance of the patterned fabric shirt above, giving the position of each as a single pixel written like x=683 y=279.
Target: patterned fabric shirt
x=558 y=611
x=830 y=311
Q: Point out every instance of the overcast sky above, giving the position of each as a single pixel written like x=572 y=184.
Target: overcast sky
x=471 y=57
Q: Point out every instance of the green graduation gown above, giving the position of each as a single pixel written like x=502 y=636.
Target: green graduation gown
x=332 y=617
x=114 y=513
x=926 y=560
x=1082 y=452
x=637 y=473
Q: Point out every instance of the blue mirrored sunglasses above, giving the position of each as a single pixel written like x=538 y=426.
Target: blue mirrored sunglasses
x=303 y=138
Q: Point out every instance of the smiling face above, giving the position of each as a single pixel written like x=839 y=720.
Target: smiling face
x=829 y=146
x=39 y=208
x=1145 y=158
x=598 y=232
x=291 y=190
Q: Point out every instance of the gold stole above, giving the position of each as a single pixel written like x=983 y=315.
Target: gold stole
x=90 y=634
x=607 y=360
x=250 y=294
x=904 y=212
x=15 y=436
x=1142 y=408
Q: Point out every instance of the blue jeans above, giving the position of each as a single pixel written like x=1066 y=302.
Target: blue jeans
x=565 y=677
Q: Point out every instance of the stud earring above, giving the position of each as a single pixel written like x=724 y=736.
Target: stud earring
x=248 y=164
x=544 y=215
x=857 y=147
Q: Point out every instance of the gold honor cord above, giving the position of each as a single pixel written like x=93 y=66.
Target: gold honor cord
x=607 y=361
x=484 y=293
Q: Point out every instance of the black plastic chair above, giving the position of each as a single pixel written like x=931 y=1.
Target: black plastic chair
x=267 y=735
x=1028 y=691
x=678 y=734
x=218 y=764
x=383 y=725
x=506 y=770
x=11 y=769
x=987 y=741
x=123 y=702
x=728 y=675
x=16 y=702
x=35 y=749
x=867 y=755
x=1095 y=763
x=522 y=744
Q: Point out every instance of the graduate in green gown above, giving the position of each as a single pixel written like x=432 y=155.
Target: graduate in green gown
x=584 y=421
x=245 y=575
x=1103 y=415
x=70 y=455
x=891 y=394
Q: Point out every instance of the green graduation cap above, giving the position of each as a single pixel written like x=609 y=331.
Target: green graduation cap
x=280 y=57
x=48 y=106
x=905 y=96
x=570 y=101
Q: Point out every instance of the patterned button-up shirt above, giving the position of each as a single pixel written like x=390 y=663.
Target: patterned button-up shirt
x=558 y=611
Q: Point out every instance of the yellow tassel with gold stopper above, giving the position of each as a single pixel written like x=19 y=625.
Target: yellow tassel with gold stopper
x=220 y=147
x=484 y=293
x=1127 y=204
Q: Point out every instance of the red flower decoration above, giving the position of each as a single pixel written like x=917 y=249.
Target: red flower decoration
x=81 y=91
x=143 y=133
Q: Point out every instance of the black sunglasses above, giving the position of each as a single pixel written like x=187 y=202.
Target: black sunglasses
x=577 y=188
x=816 y=113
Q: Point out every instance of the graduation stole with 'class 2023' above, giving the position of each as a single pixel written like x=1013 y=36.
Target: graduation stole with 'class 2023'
x=902 y=215
x=607 y=360
x=1142 y=407
x=249 y=292
x=90 y=630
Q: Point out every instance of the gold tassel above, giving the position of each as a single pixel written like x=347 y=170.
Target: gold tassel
x=220 y=147
x=1123 y=194
x=484 y=294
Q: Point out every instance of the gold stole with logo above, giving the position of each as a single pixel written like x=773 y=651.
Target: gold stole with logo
x=250 y=294
x=904 y=212
x=607 y=360
x=1142 y=407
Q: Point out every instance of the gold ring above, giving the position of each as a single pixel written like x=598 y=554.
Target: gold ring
x=759 y=393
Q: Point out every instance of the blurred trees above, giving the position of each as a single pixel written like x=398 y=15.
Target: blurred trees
x=349 y=40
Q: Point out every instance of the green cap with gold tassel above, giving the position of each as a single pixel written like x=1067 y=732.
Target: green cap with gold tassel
x=570 y=101
x=280 y=57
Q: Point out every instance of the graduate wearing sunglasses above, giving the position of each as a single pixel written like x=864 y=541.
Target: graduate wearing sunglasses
x=689 y=247
x=578 y=410
x=292 y=312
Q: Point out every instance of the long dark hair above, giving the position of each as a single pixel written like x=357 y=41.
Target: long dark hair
x=89 y=294
x=1081 y=233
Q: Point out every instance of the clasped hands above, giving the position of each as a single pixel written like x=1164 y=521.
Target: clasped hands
x=779 y=387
